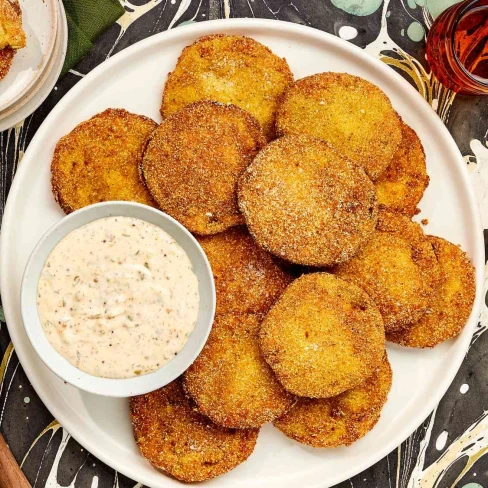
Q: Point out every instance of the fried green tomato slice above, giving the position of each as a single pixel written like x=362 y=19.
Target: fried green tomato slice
x=341 y=420
x=307 y=204
x=323 y=336
x=397 y=268
x=194 y=160
x=174 y=437
x=401 y=186
x=247 y=278
x=230 y=381
x=7 y=53
x=451 y=304
x=229 y=69
x=99 y=161
x=348 y=112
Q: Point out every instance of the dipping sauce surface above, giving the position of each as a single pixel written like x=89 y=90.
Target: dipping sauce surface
x=118 y=297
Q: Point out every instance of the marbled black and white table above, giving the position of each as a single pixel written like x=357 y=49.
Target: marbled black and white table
x=450 y=446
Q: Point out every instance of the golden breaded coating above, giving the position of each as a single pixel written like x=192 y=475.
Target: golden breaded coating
x=230 y=381
x=323 y=336
x=305 y=203
x=348 y=112
x=247 y=278
x=397 y=268
x=11 y=32
x=194 y=159
x=99 y=160
x=451 y=304
x=401 y=186
x=229 y=69
x=173 y=436
x=341 y=420
x=7 y=53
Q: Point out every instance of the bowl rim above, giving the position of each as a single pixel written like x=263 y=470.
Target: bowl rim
x=60 y=366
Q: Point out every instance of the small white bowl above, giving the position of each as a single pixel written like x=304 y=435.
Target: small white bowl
x=106 y=386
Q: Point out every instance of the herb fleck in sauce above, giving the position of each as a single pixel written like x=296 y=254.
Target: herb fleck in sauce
x=118 y=297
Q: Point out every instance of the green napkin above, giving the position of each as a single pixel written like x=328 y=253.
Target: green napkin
x=87 y=19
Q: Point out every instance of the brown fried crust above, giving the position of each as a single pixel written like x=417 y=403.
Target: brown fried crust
x=99 y=160
x=341 y=420
x=451 y=304
x=401 y=186
x=350 y=113
x=323 y=336
x=7 y=53
x=194 y=159
x=11 y=18
x=397 y=268
x=230 y=381
x=6 y=59
x=229 y=69
x=307 y=204
x=247 y=278
x=175 y=437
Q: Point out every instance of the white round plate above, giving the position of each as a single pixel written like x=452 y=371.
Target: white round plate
x=21 y=109
x=133 y=79
x=40 y=23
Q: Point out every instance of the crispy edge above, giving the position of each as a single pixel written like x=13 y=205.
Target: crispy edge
x=6 y=59
x=57 y=176
x=7 y=53
x=174 y=437
x=447 y=315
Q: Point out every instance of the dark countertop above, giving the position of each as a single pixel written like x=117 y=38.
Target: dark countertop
x=449 y=446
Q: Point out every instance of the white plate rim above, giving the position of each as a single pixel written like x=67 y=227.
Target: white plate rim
x=45 y=60
x=41 y=90
x=200 y=29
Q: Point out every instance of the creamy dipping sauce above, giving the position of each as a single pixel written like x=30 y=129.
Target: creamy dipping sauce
x=118 y=297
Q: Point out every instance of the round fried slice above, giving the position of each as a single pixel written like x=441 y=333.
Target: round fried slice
x=323 y=336
x=401 y=186
x=194 y=159
x=7 y=53
x=230 y=381
x=341 y=420
x=397 y=268
x=229 y=69
x=247 y=278
x=350 y=113
x=451 y=304
x=99 y=160
x=173 y=436
x=305 y=203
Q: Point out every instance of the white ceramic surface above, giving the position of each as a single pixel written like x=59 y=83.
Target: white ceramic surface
x=133 y=79
x=27 y=104
x=40 y=23
x=130 y=386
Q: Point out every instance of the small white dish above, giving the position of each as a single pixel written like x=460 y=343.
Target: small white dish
x=26 y=105
x=106 y=386
x=40 y=23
